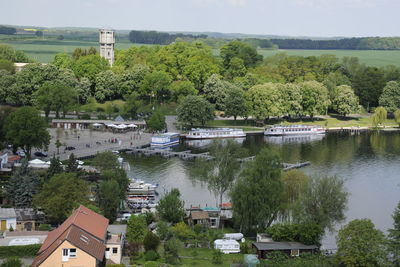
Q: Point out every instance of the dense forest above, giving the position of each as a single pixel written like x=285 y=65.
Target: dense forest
x=367 y=43
x=237 y=82
x=161 y=38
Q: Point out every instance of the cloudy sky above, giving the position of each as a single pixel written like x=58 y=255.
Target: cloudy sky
x=325 y=18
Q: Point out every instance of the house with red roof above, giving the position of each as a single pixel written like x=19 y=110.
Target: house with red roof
x=79 y=241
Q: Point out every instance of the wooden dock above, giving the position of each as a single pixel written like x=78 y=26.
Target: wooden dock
x=188 y=155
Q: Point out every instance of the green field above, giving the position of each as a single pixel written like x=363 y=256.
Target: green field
x=44 y=50
x=377 y=58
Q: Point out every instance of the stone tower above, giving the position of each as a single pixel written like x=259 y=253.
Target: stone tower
x=107 y=41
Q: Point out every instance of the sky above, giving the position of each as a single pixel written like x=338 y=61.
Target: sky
x=317 y=18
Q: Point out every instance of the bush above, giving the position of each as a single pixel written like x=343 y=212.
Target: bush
x=151 y=241
x=12 y=262
x=101 y=117
x=151 y=264
x=100 y=109
x=151 y=255
x=44 y=227
x=171 y=249
x=85 y=117
x=19 y=251
x=216 y=257
x=115 y=265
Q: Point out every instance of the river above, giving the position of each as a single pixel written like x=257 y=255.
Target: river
x=369 y=162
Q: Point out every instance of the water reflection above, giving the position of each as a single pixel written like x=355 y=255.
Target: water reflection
x=369 y=162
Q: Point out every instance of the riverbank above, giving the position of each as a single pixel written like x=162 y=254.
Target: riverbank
x=330 y=122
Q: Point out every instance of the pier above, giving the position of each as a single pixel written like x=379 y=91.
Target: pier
x=188 y=155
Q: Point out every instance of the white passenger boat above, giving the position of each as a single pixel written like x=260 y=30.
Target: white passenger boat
x=166 y=139
x=294 y=130
x=215 y=133
x=139 y=187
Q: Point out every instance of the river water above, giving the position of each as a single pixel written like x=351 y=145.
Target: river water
x=369 y=162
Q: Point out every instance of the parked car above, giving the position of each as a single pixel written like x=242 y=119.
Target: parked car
x=41 y=154
x=69 y=148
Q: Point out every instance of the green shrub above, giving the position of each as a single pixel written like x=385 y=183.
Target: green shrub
x=100 y=109
x=19 y=251
x=85 y=117
x=115 y=265
x=151 y=264
x=151 y=255
x=216 y=256
x=101 y=117
x=44 y=227
x=151 y=241
x=12 y=262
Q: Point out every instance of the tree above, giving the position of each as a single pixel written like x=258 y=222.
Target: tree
x=72 y=164
x=181 y=89
x=256 y=195
x=239 y=50
x=379 y=116
x=390 y=97
x=22 y=186
x=324 y=202
x=156 y=84
x=295 y=183
x=306 y=233
x=107 y=86
x=195 y=110
x=156 y=122
x=345 y=101
x=55 y=168
x=43 y=99
x=63 y=97
x=83 y=89
x=397 y=117
x=63 y=60
x=235 y=103
x=315 y=98
x=264 y=100
x=220 y=173
x=63 y=193
x=151 y=241
x=216 y=91
x=106 y=161
x=108 y=199
x=7 y=65
x=171 y=250
x=137 y=229
x=394 y=237
x=131 y=79
x=25 y=128
x=132 y=105
x=292 y=98
x=12 y=262
x=171 y=207
x=5 y=111
x=361 y=244
x=89 y=66
x=118 y=175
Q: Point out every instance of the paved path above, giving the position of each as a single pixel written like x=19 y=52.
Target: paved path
x=171 y=121
x=89 y=142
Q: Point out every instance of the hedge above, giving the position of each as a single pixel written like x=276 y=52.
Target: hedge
x=19 y=251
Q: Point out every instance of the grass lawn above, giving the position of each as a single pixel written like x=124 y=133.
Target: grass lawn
x=203 y=258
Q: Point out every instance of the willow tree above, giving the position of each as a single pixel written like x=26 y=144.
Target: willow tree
x=257 y=194
x=379 y=116
x=220 y=173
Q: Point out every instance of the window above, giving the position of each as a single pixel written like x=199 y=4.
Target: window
x=72 y=252
x=115 y=250
x=65 y=252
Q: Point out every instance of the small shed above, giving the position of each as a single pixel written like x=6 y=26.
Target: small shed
x=199 y=217
x=227 y=246
x=8 y=219
x=289 y=248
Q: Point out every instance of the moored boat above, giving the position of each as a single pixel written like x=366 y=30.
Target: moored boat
x=166 y=139
x=294 y=130
x=212 y=133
